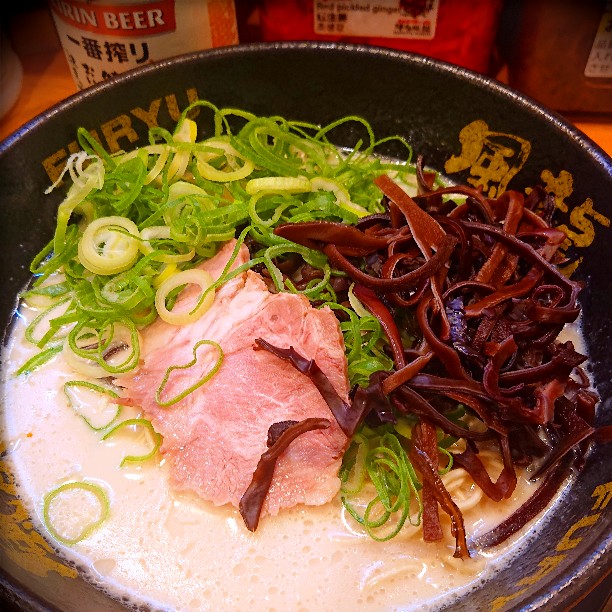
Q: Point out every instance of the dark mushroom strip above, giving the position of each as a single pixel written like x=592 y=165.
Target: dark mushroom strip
x=347 y=418
x=563 y=361
x=519 y=289
x=458 y=332
x=475 y=201
x=425 y=180
x=575 y=429
x=529 y=510
x=315 y=234
x=252 y=500
x=498 y=353
x=408 y=401
x=544 y=314
x=381 y=312
x=484 y=412
x=403 y=375
x=499 y=251
x=397 y=283
x=427 y=232
x=430 y=474
x=425 y=440
x=442 y=384
x=530 y=254
x=447 y=355
x=505 y=484
x=464 y=247
x=372 y=402
x=476 y=289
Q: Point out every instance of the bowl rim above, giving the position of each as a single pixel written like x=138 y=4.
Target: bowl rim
x=513 y=96
x=481 y=80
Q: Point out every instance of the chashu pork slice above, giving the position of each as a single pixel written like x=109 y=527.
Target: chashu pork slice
x=214 y=437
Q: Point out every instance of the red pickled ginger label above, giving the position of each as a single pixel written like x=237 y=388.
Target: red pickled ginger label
x=410 y=19
x=131 y=19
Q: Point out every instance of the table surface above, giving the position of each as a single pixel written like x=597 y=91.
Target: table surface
x=47 y=80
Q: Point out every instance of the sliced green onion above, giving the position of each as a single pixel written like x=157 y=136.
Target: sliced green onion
x=45 y=316
x=162 y=232
x=165 y=272
x=85 y=180
x=98 y=353
x=195 y=276
x=354 y=479
x=356 y=304
x=287 y=184
x=183 y=188
x=396 y=485
x=99 y=413
x=45 y=294
x=127 y=291
x=270 y=203
x=39 y=359
x=186 y=132
x=162 y=152
x=364 y=345
x=343 y=197
x=404 y=426
x=196 y=385
x=154 y=439
x=449 y=463
x=61 y=511
x=105 y=250
x=211 y=173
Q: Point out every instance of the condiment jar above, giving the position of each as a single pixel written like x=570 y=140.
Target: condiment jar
x=102 y=38
x=455 y=31
x=560 y=52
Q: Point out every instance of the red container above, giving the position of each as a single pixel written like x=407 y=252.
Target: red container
x=455 y=31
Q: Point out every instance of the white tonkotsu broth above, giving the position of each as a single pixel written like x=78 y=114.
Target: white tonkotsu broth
x=179 y=552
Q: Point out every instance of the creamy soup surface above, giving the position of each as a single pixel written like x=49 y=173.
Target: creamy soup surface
x=175 y=551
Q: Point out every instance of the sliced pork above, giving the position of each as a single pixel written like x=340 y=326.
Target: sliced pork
x=214 y=436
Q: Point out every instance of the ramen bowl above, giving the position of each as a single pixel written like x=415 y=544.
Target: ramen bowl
x=468 y=127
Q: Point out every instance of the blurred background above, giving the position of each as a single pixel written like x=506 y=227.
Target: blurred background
x=559 y=52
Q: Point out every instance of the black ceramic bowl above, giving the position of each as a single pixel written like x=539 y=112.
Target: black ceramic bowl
x=467 y=126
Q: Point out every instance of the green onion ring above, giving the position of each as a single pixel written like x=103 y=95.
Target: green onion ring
x=156 y=437
x=100 y=495
x=213 y=370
